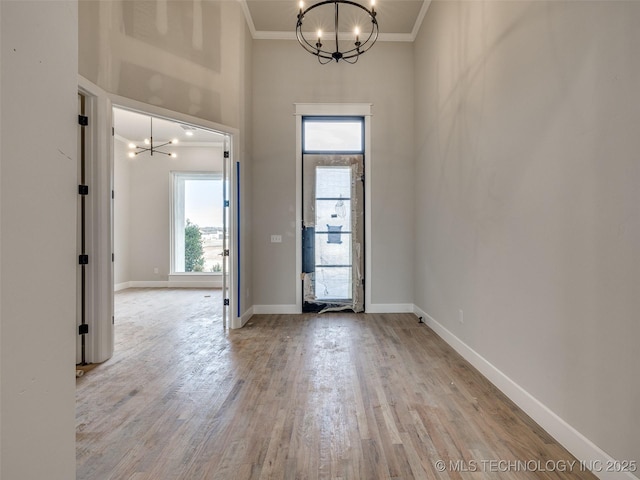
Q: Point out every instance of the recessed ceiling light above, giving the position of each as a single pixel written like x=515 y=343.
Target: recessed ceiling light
x=188 y=130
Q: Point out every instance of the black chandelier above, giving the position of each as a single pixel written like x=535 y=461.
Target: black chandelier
x=348 y=46
x=150 y=147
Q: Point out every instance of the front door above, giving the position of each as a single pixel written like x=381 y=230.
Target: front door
x=333 y=215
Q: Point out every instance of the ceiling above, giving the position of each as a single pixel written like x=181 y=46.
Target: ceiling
x=135 y=127
x=398 y=20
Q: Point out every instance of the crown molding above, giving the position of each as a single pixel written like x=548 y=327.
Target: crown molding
x=383 y=37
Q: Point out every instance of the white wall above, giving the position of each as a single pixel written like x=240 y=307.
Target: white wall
x=149 y=207
x=527 y=206
x=283 y=74
x=187 y=59
x=38 y=196
x=121 y=213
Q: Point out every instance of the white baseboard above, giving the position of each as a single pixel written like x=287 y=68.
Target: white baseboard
x=571 y=439
x=275 y=309
x=121 y=286
x=374 y=308
x=148 y=284
x=390 y=308
x=202 y=284
x=246 y=316
x=169 y=284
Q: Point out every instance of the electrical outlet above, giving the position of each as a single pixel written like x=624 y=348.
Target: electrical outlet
x=156 y=271
x=460 y=316
x=276 y=238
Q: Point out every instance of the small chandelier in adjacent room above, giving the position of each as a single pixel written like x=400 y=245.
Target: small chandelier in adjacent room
x=347 y=42
x=150 y=147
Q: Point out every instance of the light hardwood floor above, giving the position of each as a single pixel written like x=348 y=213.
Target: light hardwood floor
x=337 y=396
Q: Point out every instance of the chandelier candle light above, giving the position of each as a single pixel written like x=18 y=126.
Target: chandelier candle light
x=151 y=148
x=346 y=48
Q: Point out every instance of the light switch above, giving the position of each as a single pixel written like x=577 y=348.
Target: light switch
x=276 y=238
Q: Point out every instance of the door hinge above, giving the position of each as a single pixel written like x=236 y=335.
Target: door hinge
x=226 y=203
x=113 y=194
x=225 y=253
x=83 y=120
x=113 y=257
x=226 y=154
x=83 y=259
x=83 y=329
x=113 y=320
x=83 y=189
x=226 y=302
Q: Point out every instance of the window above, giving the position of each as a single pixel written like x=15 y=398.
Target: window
x=197 y=223
x=331 y=134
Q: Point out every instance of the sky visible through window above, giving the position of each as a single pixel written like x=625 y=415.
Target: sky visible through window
x=332 y=136
x=203 y=202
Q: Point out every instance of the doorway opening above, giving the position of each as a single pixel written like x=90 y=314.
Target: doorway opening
x=333 y=214
x=172 y=205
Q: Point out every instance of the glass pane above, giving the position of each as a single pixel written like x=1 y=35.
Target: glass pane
x=333 y=283
x=201 y=213
x=333 y=213
x=333 y=248
x=332 y=136
x=333 y=182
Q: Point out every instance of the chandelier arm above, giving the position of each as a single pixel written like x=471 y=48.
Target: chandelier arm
x=314 y=50
x=163 y=144
x=326 y=60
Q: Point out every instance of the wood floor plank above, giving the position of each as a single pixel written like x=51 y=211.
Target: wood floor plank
x=332 y=396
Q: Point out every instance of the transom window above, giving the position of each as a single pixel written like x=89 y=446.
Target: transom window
x=332 y=135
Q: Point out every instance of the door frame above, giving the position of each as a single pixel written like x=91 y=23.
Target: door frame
x=99 y=171
x=235 y=320
x=100 y=288
x=334 y=110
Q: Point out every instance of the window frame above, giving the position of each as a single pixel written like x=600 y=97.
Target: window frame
x=364 y=110
x=333 y=119
x=182 y=177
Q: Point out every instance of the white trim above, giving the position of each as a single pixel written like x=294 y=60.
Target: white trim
x=183 y=143
x=148 y=284
x=100 y=308
x=234 y=147
x=382 y=37
x=571 y=439
x=121 y=286
x=177 y=212
x=290 y=35
x=297 y=278
x=200 y=284
x=420 y=19
x=169 y=284
x=390 y=308
x=246 y=316
x=275 y=309
x=159 y=112
x=368 y=243
x=334 y=109
x=248 y=18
